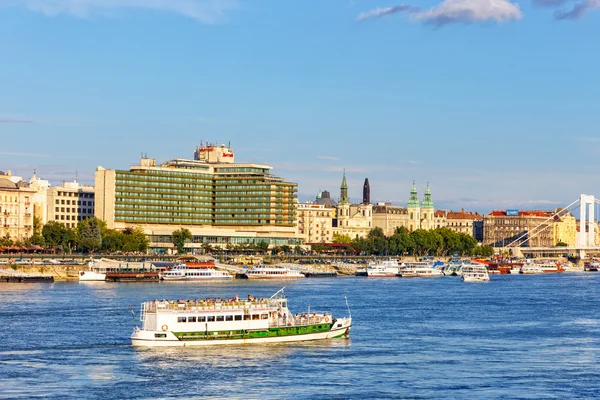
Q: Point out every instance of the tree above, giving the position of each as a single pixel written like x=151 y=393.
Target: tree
x=262 y=246
x=207 y=248
x=55 y=234
x=179 y=237
x=561 y=244
x=134 y=239
x=36 y=239
x=341 y=238
x=298 y=250
x=90 y=236
x=112 y=240
x=37 y=224
x=400 y=242
x=377 y=241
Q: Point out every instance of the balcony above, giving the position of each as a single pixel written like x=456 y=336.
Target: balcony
x=6 y=213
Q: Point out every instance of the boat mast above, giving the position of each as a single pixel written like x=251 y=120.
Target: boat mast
x=277 y=292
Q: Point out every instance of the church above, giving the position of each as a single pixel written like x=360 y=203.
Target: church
x=354 y=220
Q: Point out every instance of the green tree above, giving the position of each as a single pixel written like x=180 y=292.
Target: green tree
x=297 y=250
x=400 y=242
x=179 y=237
x=207 y=248
x=134 y=239
x=55 y=234
x=37 y=239
x=112 y=240
x=37 y=224
x=90 y=236
x=262 y=246
x=341 y=238
x=377 y=241
x=422 y=243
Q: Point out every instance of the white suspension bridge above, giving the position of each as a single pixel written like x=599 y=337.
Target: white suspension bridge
x=585 y=239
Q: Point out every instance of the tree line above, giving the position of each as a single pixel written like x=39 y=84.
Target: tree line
x=436 y=242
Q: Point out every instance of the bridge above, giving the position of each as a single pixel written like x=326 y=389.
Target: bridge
x=585 y=238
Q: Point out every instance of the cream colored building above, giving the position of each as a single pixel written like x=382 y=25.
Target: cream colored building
x=16 y=208
x=40 y=198
x=414 y=216
x=354 y=220
x=565 y=229
x=389 y=217
x=220 y=201
x=314 y=223
x=70 y=203
x=458 y=221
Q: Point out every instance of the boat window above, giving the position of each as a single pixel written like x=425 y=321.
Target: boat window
x=238 y=317
x=220 y=318
x=191 y=319
x=229 y=318
x=246 y=317
x=201 y=319
x=160 y=335
x=181 y=319
x=255 y=317
x=264 y=316
x=210 y=318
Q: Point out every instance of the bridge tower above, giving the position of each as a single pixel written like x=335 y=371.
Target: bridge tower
x=587 y=219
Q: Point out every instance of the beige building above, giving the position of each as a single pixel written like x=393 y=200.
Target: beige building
x=503 y=227
x=314 y=223
x=221 y=202
x=415 y=215
x=389 y=217
x=354 y=220
x=70 y=203
x=16 y=208
x=40 y=198
x=458 y=221
x=565 y=229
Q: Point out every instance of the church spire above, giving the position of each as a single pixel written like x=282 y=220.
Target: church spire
x=413 y=201
x=366 y=192
x=344 y=190
x=427 y=202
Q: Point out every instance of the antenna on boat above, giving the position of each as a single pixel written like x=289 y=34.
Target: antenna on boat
x=277 y=292
x=132 y=314
x=347 y=305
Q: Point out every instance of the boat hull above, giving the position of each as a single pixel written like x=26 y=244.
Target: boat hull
x=203 y=278
x=91 y=276
x=146 y=339
x=278 y=277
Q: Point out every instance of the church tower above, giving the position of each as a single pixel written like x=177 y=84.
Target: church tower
x=414 y=210
x=427 y=210
x=366 y=192
x=343 y=209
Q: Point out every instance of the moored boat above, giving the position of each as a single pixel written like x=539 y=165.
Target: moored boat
x=232 y=321
x=273 y=272
x=419 y=269
x=181 y=272
x=474 y=272
x=383 y=268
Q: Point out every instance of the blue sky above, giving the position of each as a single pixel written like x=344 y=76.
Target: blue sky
x=494 y=103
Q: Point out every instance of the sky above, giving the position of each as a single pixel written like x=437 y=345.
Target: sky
x=494 y=103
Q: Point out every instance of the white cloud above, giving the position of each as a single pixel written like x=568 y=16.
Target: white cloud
x=205 y=11
x=468 y=11
x=383 y=11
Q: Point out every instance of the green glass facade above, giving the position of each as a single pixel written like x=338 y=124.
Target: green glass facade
x=230 y=196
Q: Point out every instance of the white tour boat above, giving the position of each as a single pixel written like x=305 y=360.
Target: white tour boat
x=181 y=272
x=273 y=272
x=232 y=321
x=419 y=269
x=515 y=270
x=531 y=269
x=383 y=268
x=474 y=272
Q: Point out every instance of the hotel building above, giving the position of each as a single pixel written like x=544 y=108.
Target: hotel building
x=315 y=223
x=221 y=202
x=70 y=203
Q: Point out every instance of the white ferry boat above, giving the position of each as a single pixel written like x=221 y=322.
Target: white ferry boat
x=273 y=272
x=474 y=272
x=531 y=269
x=232 y=321
x=419 y=269
x=181 y=272
x=383 y=268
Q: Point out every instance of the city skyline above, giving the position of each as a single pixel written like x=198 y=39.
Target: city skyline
x=473 y=99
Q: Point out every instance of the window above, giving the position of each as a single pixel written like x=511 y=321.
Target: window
x=191 y=319
x=160 y=335
x=255 y=317
x=264 y=316
x=246 y=317
x=229 y=318
x=201 y=319
x=210 y=318
x=220 y=318
x=238 y=317
x=181 y=319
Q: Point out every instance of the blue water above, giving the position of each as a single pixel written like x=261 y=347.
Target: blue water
x=513 y=337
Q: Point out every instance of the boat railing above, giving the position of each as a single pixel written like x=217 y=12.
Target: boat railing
x=205 y=305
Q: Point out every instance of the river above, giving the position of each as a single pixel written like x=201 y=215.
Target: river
x=520 y=336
